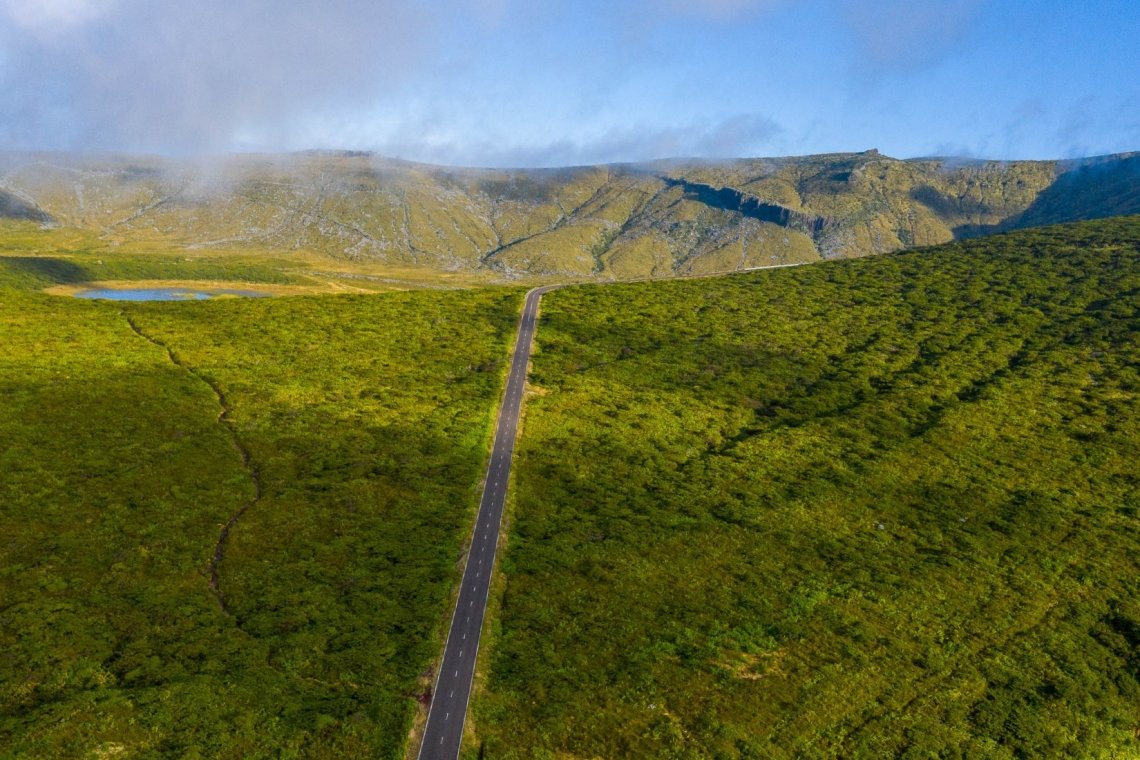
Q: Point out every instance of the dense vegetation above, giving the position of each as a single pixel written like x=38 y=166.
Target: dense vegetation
x=343 y=439
x=884 y=507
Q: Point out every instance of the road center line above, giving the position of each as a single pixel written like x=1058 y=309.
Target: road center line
x=491 y=508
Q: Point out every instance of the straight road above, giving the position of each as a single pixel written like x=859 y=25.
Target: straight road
x=444 y=731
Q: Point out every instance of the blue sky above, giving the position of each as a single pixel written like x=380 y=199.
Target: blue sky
x=505 y=83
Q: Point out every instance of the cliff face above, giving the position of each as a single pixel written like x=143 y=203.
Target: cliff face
x=660 y=219
x=730 y=199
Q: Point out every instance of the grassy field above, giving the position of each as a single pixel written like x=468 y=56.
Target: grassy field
x=341 y=437
x=877 y=508
x=62 y=261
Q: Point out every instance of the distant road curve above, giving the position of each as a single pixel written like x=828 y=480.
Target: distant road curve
x=444 y=730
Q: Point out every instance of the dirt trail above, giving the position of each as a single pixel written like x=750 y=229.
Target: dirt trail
x=247 y=460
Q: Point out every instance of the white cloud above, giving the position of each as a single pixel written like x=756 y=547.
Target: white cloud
x=52 y=16
x=719 y=10
x=908 y=32
x=189 y=76
x=490 y=12
x=426 y=140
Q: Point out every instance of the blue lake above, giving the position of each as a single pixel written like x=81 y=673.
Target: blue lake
x=163 y=294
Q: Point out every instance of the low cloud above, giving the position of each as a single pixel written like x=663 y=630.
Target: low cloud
x=718 y=10
x=516 y=83
x=1076 y=124
x=218 y=75
x=744 y=134
x=894 y=33
x=135 y=74
x=53 y=17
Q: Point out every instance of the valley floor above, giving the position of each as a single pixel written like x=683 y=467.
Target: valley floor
x=882 y=507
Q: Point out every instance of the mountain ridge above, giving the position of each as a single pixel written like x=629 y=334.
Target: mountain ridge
x=654 y=219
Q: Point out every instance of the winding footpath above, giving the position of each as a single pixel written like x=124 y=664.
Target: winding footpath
x=247 y=461
x=444 y=730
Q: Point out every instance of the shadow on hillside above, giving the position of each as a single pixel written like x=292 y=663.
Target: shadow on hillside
x=731 y=199
x=948 y=205
x=13 y=207
x=58 y=271
x=1095 y=188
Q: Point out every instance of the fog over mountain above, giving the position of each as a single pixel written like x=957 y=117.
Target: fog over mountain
x=506 y=83
x=655 y=219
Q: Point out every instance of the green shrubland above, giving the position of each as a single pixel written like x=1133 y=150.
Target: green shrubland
x=345 y=435
x=881 y=507
x=876 y=508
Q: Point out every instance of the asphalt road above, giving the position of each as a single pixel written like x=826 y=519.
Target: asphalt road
x=444 y=731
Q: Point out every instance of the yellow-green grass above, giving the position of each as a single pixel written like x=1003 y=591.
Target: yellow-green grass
x=63 y=261
x=362 y=208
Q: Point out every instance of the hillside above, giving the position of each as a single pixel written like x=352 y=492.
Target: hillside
x=877 y=508
x=619 y=221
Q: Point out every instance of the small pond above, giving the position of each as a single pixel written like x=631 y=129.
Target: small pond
x=163 y=294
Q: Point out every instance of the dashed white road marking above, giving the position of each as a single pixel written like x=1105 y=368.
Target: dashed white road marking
x=499 y=467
